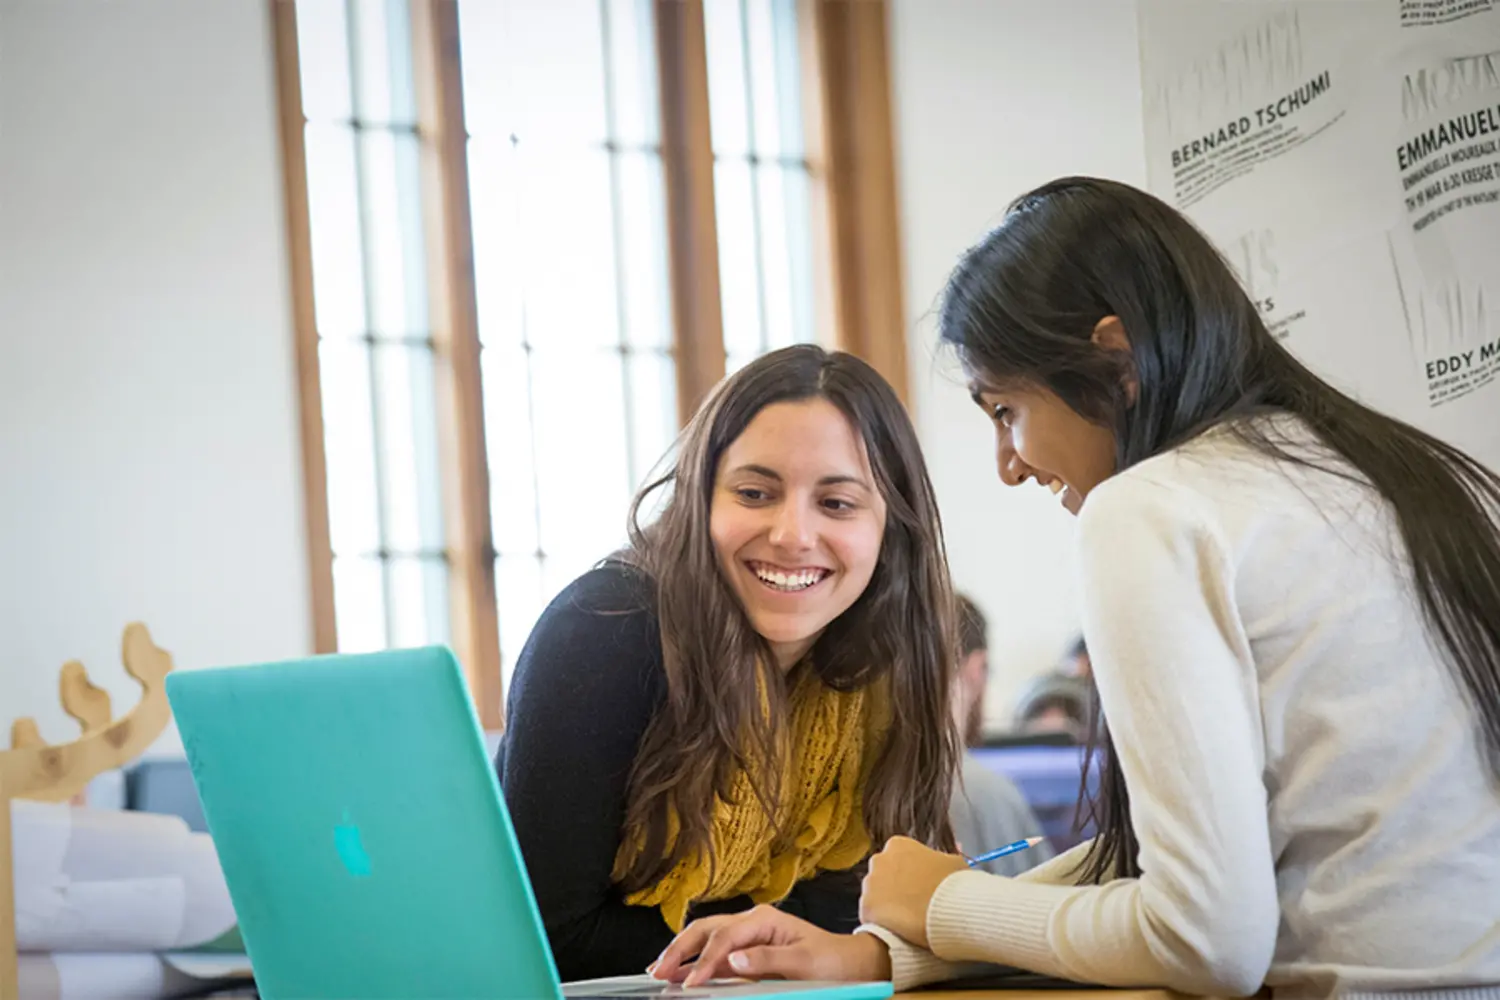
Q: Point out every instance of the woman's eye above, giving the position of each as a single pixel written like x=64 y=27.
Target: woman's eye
x=838 y=506
x=1001 y=414
x=750 y=494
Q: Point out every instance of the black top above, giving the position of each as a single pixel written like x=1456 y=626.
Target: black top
x=584 y=689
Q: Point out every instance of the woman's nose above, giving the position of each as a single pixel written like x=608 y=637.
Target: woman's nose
x=1013 y=471
x=792 y=528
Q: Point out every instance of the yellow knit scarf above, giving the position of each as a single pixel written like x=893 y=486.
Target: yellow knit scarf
x=834 y=739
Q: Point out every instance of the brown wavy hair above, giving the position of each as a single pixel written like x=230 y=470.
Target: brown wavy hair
x=901 y=628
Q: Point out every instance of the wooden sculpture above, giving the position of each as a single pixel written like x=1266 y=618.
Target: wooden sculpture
x=32 y=769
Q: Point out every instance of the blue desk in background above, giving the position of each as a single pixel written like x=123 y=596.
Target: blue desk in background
x=164 y=785
x=1049 y=773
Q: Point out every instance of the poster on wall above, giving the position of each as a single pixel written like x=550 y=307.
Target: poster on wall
x=1420 y=13
x=1447 y=155
x=1346 y=159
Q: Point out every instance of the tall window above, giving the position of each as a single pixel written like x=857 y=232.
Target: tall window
x=374 y=347
x=570 y=264
x=761 y=177
x=591 y=196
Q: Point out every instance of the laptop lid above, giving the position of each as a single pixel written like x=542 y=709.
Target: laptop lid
x=361 y=829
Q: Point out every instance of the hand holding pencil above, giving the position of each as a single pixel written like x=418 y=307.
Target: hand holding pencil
x=903 y=878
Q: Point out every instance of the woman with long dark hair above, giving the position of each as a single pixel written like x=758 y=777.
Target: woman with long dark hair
x=754 y=694
x=1292 y=607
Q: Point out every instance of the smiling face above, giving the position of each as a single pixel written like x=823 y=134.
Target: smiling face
x=1040 y=438
x=796 y=522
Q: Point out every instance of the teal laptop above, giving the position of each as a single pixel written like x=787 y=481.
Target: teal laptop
x=365 y=841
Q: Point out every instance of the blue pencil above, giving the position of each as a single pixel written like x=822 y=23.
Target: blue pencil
x=1001 y=852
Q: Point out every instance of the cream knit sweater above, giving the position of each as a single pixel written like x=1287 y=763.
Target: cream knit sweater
x=1306 y=783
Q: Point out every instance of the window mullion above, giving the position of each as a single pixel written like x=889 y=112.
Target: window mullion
x=304 y=319
x=847 y=93
x=688 y=169
x=455 y=329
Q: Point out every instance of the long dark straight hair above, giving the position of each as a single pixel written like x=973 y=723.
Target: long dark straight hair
x=1022 y=306
x=900 y=632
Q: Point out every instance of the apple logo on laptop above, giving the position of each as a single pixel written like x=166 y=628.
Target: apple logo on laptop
x=351 y=849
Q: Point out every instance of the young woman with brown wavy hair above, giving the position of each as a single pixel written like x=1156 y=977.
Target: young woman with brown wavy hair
x=754 y=694
x=1292 y=610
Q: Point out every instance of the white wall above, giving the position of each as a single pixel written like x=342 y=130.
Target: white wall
x=993 y=97
x=149 y=459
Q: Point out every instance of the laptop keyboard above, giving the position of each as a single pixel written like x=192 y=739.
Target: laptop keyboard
x=672 y=990
x=651 y=990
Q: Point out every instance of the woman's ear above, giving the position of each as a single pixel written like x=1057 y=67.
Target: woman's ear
x=1109 y=334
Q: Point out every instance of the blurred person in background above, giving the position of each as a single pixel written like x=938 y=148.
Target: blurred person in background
x=988 y=810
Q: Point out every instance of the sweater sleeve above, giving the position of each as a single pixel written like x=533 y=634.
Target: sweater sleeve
x=1177 y=684
x=912 y=967
x=584 y=689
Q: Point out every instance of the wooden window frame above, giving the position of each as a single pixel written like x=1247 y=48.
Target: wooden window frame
x=856 y=253
x=692 y=231
x=851 y=150
x=462 y=456
x=304 y=325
